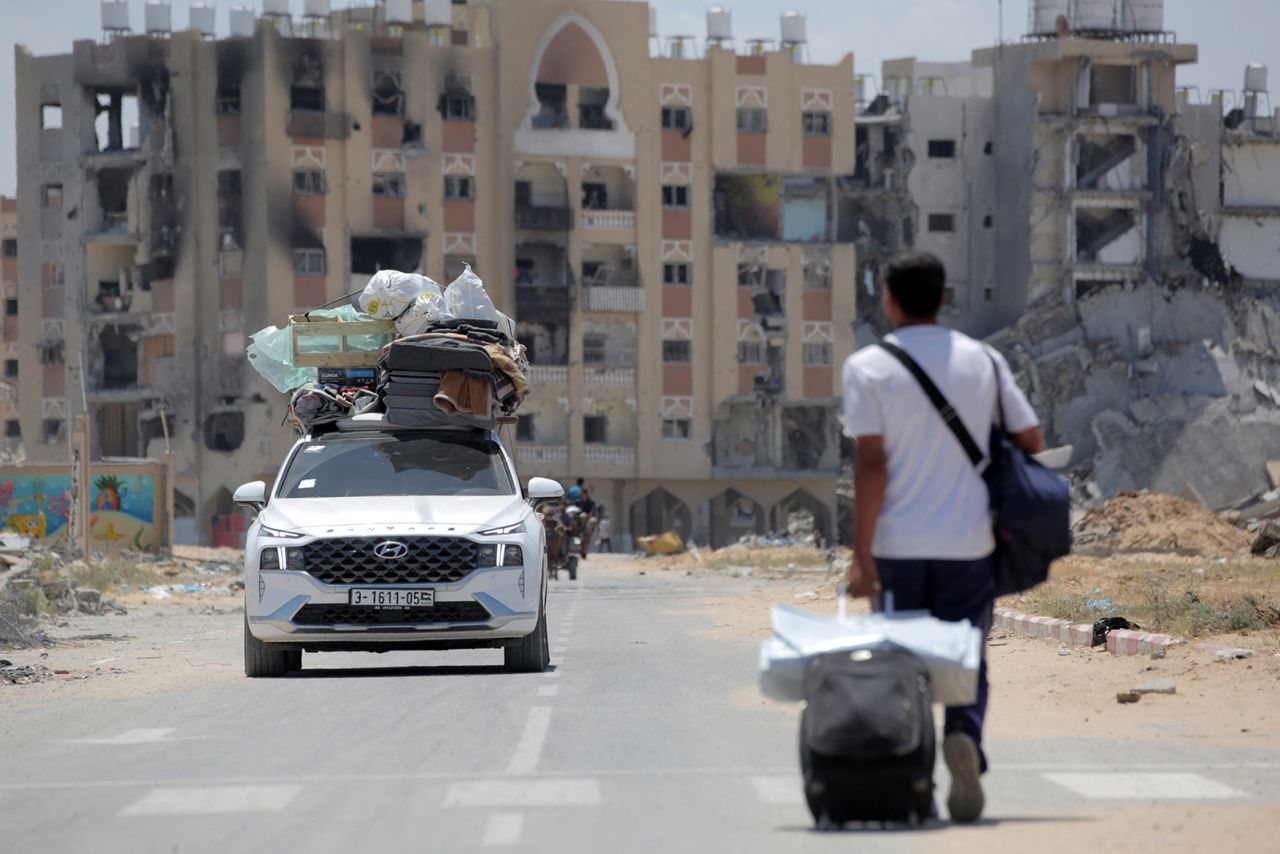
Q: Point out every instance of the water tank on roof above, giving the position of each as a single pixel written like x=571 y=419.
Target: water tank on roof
x=203 y=19
x=438 y=13
x=793 y=28
x=115 y=15
x=1045 y=14
x=316 y=9
x=1255 y=77
x=275 y=8
x=719 y=24
x=399 y=11
x=1094 y=15
x=242 y=19
x=157 y=15
x=1142 y=16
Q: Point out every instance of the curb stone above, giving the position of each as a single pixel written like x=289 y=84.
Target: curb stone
x=1119 y=641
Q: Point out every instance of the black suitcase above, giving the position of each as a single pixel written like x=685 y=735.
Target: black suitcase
x=867 y=742
x=422 y=355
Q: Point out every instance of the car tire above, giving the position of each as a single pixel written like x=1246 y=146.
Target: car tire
x=261 y=661
x=532 y=654
x=573 y=567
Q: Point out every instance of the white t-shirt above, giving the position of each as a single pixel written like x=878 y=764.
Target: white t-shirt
x=936 y=505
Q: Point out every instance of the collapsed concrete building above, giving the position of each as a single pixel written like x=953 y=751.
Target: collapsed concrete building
x=1117 y=241
x=661 y=218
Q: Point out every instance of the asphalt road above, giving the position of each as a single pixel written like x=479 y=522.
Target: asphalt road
x=647 y=736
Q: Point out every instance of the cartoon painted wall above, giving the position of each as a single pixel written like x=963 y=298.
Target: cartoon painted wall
x=121 y=507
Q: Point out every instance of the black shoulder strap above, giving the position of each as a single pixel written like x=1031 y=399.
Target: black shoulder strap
x=940 y=403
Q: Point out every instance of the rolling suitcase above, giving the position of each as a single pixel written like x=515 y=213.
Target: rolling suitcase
x=867 y=742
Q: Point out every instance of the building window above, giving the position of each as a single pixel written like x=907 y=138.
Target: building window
x=594 y=429
x=308 y=182
x=751 y=353
x=676 y=118
x=817 y=276
x=228 y=103
x=308 y=262
x=51 y=116
x=752 y=120
x=10 y=247
x=594 y=348
x=942 y=223
x=11 y=369
x=459 y=108
x=306 y=99
x=988 y=294
x=13 y=429
x=816 y=355
x=388 y=99
x=750 y=275
x=11 y=307
x=51 y=430
x=52 y=194
x=675 y=196
x=230 y=263
x=388 y=185
x=675 y=274
x=942 y=149
x=53 y=274
x=524 y=428
x=459 y=187
x=676 y=351
x=676 y=428
x=817 y=123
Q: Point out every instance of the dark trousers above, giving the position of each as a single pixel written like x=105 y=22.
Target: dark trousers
x=951 y=590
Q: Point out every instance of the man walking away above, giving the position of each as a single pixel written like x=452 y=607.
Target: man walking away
x=604 y=530
x=922 y=523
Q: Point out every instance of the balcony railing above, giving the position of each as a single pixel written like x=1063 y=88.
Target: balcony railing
x=540 y=375
x=626 y=300
x=545 y=454
x=534 y=296
x=609 y=376
x=605 y=219
x=534 y=218
x=608 y=455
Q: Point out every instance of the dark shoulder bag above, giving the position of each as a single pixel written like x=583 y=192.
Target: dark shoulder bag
x=1030 y=505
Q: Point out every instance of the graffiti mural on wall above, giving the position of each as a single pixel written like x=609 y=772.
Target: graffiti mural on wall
x=121 y=507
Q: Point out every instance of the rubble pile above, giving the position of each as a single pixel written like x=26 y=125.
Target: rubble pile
x=1151 y=522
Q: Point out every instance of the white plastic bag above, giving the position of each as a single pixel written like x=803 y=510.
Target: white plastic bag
x=952 y=652
x=466 y=299
x=391 y=293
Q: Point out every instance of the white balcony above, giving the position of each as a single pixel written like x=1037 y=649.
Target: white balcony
x=548 y=375
x=607 y=220
x=542 y=454
x=608 y=455
x=609 y=376
x=615 y=299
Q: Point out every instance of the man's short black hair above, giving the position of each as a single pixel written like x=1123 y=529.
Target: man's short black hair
x=917 y=281
x=580 y=481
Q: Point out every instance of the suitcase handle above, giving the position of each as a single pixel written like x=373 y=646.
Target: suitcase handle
x=883 y=603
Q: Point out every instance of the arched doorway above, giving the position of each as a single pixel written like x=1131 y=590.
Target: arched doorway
x=733 y=516
x=791 y=515
x=659 y=512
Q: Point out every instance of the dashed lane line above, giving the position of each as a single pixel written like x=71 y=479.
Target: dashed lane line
x=778 y=789
x=523 y=793
x=503 y=828
x=213 y=800
x=548 y=690
x=1175 y=786
x=529 y=749
x=134 y=736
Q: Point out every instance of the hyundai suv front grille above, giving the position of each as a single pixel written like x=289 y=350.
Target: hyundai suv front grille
x=422 y=560
x=347 y=615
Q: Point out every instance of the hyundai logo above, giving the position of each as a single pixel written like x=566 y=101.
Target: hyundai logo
x=391 y=550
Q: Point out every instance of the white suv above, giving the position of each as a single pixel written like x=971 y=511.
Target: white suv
x=377 y=539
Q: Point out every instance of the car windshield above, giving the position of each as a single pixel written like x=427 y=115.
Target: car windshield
x=397 y=464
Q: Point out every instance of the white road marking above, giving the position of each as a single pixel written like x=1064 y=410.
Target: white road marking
x=529 y=749
x=134 y=736
x=548 y=690
x=212 y=800
x=503 y=828
x=523 y=793
x=778 y=789
x=1154 y=786
x=560 y=648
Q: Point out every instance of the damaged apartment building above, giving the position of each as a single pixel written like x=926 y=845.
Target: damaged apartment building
x=1118 y=240
x=662 y=217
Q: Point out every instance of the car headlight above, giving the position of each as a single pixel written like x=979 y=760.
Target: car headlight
x=269 y=559
x=486 y=555
x=295 y=558
x=279 y=534
x=512 y=556
x=517 y=528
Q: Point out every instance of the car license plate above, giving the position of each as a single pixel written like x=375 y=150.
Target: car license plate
x=378 y=598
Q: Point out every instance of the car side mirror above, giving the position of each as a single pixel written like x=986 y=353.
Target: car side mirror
x=252 y=494
x=544 y=489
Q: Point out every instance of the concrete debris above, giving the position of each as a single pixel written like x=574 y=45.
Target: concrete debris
x=1234 y=654
x=1127 y=697
x=1148 y=521
x=1157 y=686
x=1266 y=539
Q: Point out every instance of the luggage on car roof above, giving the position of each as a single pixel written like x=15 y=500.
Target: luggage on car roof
x=435 y=353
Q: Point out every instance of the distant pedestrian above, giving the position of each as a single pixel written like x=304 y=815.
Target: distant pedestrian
x=574 y=492
x=604 y=530
x=922 y=527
